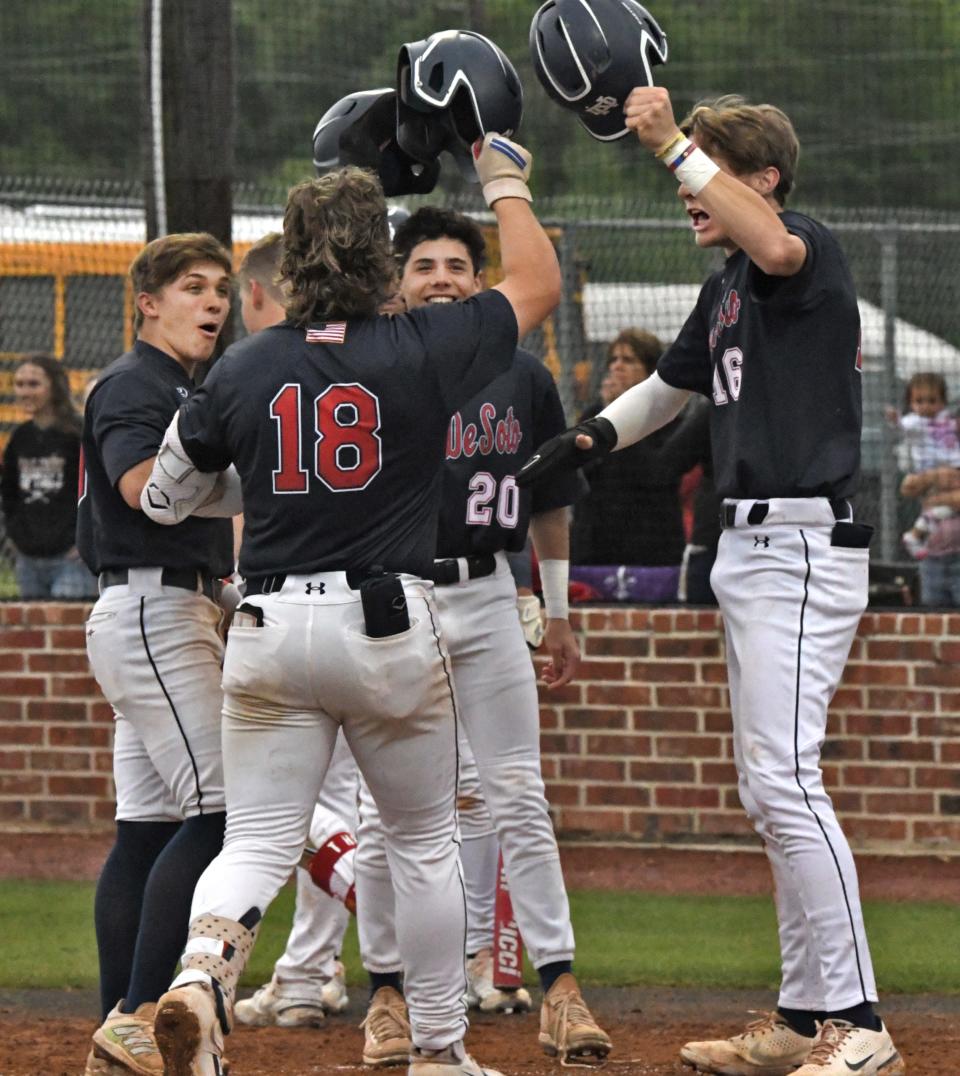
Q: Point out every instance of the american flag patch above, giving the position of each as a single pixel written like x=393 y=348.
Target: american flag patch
x=334 y=332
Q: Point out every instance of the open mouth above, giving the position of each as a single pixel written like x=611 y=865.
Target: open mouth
x=210 y=329
x=441 y=299
x=698 y=219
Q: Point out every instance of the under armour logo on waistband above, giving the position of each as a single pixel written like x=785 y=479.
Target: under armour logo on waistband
x=761 y=539
x=320 y=588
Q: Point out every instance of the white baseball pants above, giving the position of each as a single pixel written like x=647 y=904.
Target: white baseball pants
x=791 y=602
x=499 y=713
x=288 y=686
x=156 y=654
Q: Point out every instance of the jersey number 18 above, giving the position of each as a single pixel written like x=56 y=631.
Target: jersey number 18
x=346 y=448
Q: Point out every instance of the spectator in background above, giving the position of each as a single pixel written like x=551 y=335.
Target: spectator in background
x=939 y=489
x=39 y=485
x=930 y=441
x=631 y=514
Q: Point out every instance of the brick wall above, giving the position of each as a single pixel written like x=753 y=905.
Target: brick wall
x=638 y=749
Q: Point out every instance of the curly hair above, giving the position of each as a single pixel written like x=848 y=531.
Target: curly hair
x=337 y=258
x=748 y=137
x=431 y=222
x=65 y=414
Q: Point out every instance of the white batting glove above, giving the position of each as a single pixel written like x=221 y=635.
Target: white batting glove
x=503 y=168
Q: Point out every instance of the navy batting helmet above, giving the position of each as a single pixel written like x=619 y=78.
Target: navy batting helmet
x=360 y=129
x=453 y=88
x=589 y=55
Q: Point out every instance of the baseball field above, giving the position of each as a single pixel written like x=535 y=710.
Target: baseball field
x=672 y=945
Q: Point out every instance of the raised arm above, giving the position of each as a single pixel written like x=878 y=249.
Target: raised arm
x=531 y=280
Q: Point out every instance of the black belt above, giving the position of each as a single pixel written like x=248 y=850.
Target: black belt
x=447 y=571
x=758 y=512
x=184 y=578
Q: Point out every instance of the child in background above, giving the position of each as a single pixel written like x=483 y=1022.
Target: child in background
x=930 y=439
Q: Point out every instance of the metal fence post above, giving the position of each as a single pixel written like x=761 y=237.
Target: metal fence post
x=889 y=490
x=570 y=340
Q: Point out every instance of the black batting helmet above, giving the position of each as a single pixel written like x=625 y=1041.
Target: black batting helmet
x=452 y=88
x=589 y=55
x=360 y=129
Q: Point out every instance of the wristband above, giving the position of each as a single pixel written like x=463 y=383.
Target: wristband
x=692 y=167
x=554 y=579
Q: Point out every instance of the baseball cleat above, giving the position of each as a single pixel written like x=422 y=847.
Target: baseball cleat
x=102 y=1066
x=126 y=1039
x=841 y=1049
x=483 y=995
x=453 y=1061
x=567 y=1027
x=766 y=1047
x=386 y=1030
x=270 y=1006
x=188 y=1031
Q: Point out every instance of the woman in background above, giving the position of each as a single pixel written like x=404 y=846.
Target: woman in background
x=39 y=485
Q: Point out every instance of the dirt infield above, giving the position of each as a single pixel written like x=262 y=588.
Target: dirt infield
x=47 y=1032
x=42 y=1032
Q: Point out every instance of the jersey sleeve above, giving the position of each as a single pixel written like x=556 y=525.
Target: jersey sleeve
x=561 y=488
x=686 y=363
x=467 y=344
x=10 y=477
x=806 y=288
x=128 y=423
x=199 y=425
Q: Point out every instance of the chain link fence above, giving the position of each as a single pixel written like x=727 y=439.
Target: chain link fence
x=871 y=87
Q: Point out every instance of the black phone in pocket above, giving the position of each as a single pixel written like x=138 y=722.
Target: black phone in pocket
x=384 y=605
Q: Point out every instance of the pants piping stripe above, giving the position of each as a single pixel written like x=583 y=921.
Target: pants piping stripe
x=796 y=757
x=456 y=774
x=173 y=709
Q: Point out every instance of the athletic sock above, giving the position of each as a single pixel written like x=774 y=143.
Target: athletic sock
x=549 y=973
x=166 y=906
x=861 y=1015
x=802 y=1021
x=119 y=901
x=385 y=978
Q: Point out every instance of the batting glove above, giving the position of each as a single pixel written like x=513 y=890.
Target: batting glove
x=503 y=168
x=561 y=453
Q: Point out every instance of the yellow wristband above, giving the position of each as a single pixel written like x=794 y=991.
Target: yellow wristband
x=667 y=146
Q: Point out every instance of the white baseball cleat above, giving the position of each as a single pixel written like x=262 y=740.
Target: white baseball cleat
x=452 y=1061
x=841 y=1049
x=766 y=1047
x=273 y=1006
x=483 y=995
x=188 y=1032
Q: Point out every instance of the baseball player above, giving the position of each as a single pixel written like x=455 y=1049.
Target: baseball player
x=441 y=255
x=773 y=343
x=309 y=979
x=335 y=421
x=153 y=645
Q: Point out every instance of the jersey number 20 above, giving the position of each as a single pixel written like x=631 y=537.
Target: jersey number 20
x=347 y=446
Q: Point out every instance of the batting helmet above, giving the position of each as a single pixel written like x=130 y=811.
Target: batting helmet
x=360 y=129
x=589 y=55
x=452 y=88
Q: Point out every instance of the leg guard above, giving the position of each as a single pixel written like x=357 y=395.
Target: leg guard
x=217 y=952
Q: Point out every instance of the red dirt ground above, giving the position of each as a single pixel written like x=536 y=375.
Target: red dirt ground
x=48 y=1033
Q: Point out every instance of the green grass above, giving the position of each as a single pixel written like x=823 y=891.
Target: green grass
x=622 y=939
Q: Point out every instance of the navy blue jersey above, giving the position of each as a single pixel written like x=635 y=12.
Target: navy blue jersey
x=780 y=359
x=126 y=416
x=338 y=431
x=489 y=439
